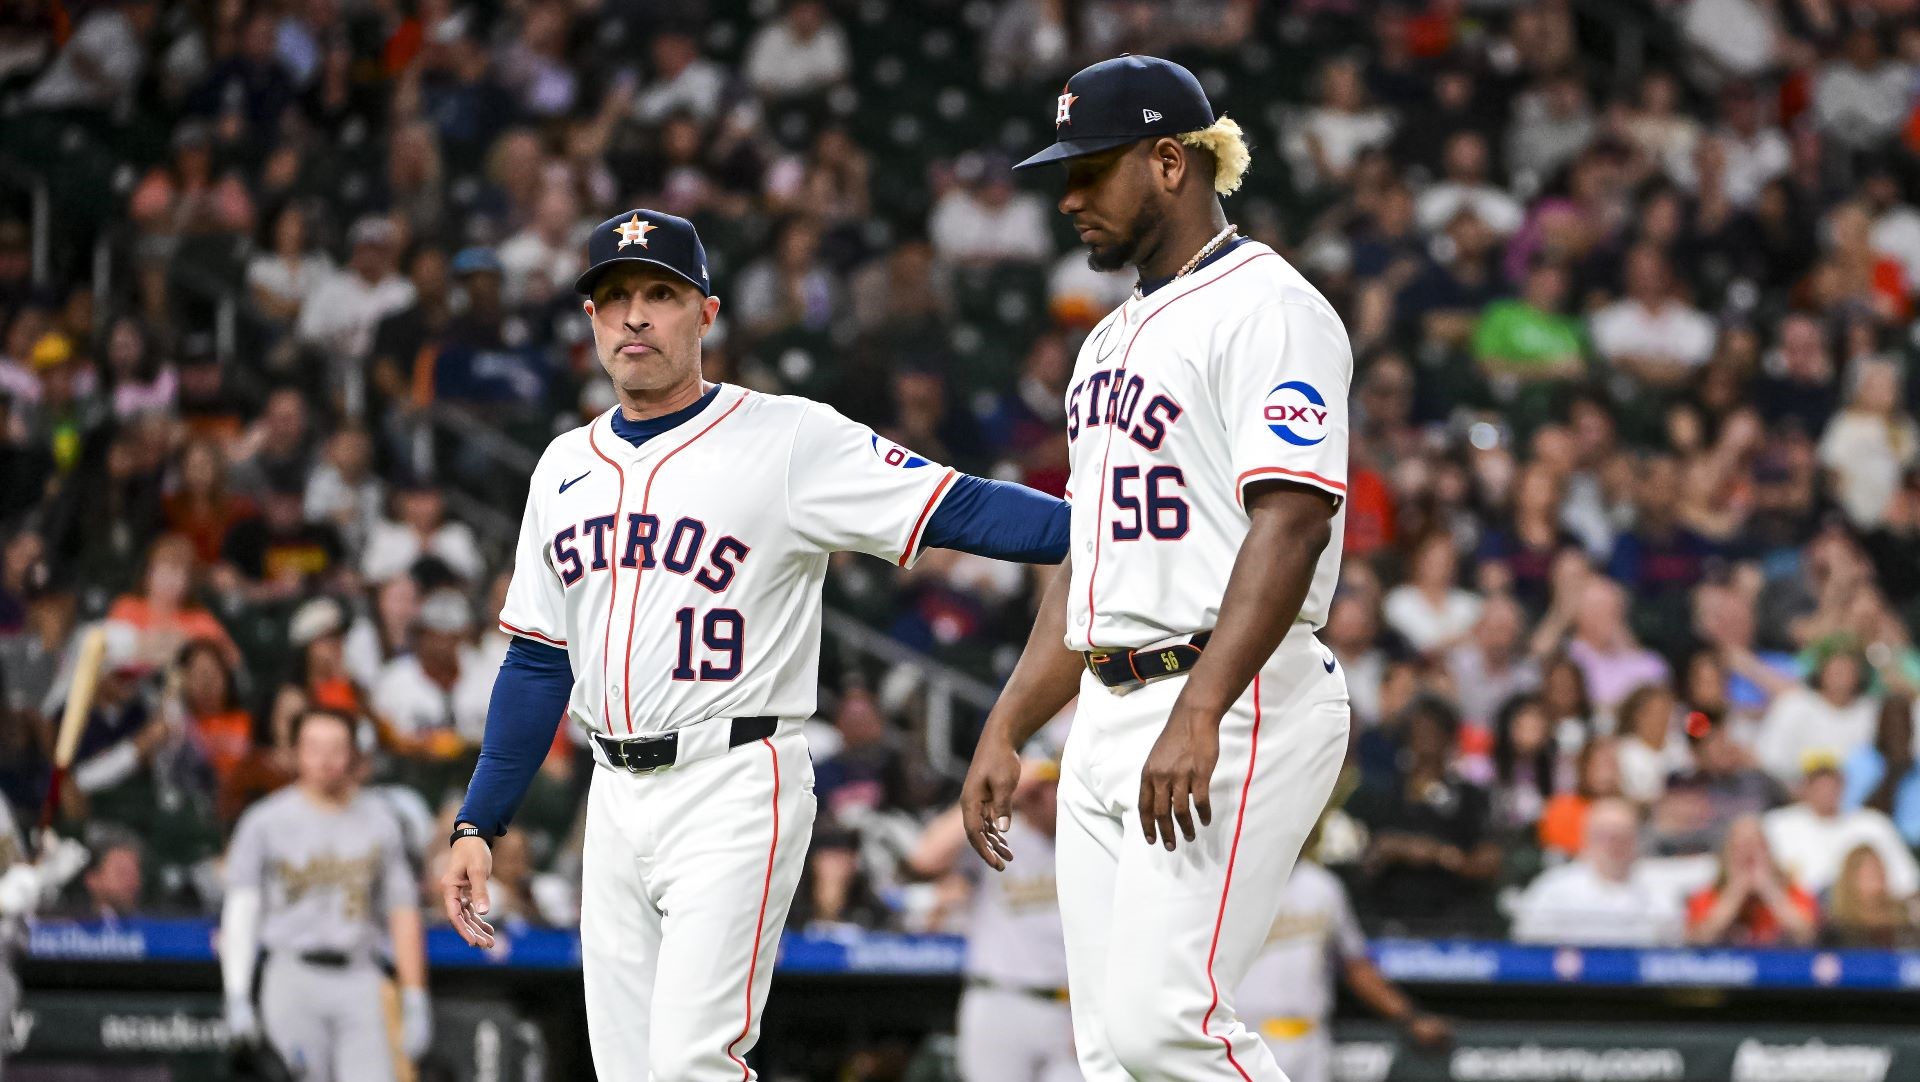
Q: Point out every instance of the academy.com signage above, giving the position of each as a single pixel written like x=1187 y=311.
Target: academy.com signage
x=1545 y=1063
x=1811 y=1061
x=1521 y=1052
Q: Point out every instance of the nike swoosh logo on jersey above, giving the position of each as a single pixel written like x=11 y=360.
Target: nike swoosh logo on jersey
x=565 y=485
x=1329 y=663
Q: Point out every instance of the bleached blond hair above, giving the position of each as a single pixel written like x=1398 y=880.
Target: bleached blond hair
x=1228 y=145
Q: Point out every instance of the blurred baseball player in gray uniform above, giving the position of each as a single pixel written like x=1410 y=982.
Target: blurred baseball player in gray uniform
x=1015 y=1025
x=318 y=878
x=1287 y=996
x=24 y=887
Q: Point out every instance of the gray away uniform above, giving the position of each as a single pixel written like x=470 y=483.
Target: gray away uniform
x=327 y=880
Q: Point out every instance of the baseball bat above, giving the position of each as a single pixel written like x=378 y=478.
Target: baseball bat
x=73 y=721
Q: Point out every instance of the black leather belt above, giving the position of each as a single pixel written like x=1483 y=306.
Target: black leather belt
x=645 y=754
x=1125 y=668
x=327 y=959
x=1051 y=995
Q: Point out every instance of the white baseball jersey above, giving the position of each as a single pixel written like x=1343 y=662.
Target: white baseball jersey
x=1234 y=374
x=1293 y=975
x=1013 y=929
x=683 y=576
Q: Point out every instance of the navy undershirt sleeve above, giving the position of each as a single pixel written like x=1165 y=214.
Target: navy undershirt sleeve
x=1002 y=520
x=529 y=697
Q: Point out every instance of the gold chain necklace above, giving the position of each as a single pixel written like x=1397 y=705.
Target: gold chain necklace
x=1205 y=251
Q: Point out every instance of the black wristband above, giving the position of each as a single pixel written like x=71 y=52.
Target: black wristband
x=465 y=830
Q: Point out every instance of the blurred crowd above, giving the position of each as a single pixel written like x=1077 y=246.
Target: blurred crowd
x=1633 y=533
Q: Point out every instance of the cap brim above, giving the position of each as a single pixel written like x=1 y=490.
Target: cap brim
x=1075 y=148
x=583 y=285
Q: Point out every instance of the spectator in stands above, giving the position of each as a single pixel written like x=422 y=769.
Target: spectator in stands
x=1863 y=909
x=543 y=259
x=1528 y=768
x=982 y=218
x=419 y=527
x=1648 y=748
x=1832 y=714
x=1563 y=823
x=342 y=491
x=1612 y=662
x=1492 y=667
x=287 y=267
x=383 y=630
x=1752 y=902
x=163 y=616
x=220 y=730
x=202 y=507
x=138 y=379
x=1861 y=97
x=1433 y=855
x=1883 y=775
x=1605 y=898
x=1528 y=340
x=683 y=80
x=1870 y=445
x=100 y=65
x=1723 y=784
x=112 y=884
x=437 y=696
x=1652 y=335
x=275 y=447
x=1334 y=134
x=1464 y=186
x=791 y=288
x=803 y=52
x=339 y=317
x=1430 y=611
x=1812 y=835
x=1551 y=124
x=279 y=554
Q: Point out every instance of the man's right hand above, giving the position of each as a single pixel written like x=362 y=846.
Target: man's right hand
x=986 y=799
x=242 y=1022
x=464 y=889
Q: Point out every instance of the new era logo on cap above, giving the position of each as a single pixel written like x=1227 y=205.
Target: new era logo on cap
x=1149 y=115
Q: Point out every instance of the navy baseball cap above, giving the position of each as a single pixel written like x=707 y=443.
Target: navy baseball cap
x=646 y=236
x=1119 y=101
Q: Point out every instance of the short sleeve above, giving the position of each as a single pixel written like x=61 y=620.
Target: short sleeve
x=246 y=855
x=850 y=490
x=536 y=606
x=1282 y=388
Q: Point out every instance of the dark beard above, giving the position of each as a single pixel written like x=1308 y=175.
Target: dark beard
x=1126 y=251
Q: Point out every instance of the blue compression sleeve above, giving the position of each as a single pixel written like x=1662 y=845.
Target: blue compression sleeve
x=529 y=696
x=1001 y=520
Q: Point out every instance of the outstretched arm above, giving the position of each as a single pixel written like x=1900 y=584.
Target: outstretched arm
x=1000 y=519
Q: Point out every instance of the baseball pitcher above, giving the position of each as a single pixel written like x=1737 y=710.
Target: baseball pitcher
x=666 y=599
x=318 y=878
x=1207 y=423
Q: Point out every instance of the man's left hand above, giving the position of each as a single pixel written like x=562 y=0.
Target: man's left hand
x=1430 y=1031
x=1175 y=782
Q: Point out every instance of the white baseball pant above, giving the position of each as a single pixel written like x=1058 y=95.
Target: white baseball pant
x=1157 y=941
x=1306 y=1058
x=687 y=875
x=1010 y=1036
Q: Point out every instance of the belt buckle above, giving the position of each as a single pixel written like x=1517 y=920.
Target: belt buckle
x=626 y=762
x=1094 y=661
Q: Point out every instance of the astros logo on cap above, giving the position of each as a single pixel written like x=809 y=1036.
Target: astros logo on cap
x=1065 y=114
x=633 y=231
x=1297 y=413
